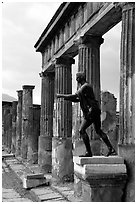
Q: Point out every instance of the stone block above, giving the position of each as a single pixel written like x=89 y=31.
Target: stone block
x=100 y=180
x=7 y=156
x=32 y=181
x=98 y=160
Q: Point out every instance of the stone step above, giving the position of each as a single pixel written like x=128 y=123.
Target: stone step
x=98 y=160
x=99 y=169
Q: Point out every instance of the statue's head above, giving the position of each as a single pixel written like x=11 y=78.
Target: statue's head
x=80 y=76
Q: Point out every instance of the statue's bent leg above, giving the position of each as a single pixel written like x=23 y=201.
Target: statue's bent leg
x=85 y=124
x=104 y=137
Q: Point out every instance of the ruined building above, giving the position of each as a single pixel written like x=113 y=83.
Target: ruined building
x=78 y=29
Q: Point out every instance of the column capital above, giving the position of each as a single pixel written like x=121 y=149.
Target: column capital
x=46 y=74
x=64 y=60
x=89 y=40
x=19 y=91
x=125 y=5
x=28 y=87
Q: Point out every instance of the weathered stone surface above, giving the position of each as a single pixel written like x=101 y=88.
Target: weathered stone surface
x=19 y=123
x=27 y=119
x=46 y=122
x=62 y=162
x=97 y=181
x=109 y=120
x=31 y=183
x=34 y=176
x=98 y=160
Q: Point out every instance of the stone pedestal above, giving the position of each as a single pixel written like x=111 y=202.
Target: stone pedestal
x=99 y=179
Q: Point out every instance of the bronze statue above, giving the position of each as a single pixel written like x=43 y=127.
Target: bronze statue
x=91 y=113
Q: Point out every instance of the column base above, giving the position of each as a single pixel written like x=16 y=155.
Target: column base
x=62 y=159
x=99 y=179
x=45 y=154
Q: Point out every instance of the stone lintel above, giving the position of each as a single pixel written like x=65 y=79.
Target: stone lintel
x=28 y=86
x=98 y=160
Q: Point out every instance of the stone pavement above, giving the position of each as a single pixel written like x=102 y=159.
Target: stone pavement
x=53 y=193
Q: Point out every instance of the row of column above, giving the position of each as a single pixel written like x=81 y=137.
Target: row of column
x=55 y=141
x=89 y=61
x=22 y=126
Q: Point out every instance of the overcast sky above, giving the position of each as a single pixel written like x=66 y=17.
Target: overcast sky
x=22 y=25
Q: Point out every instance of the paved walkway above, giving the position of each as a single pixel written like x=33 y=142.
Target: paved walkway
x=52 y=193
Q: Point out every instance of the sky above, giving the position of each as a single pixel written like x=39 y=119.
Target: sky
x=22 y=25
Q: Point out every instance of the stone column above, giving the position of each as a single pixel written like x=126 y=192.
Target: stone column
x=32 y=154
x=127 y=76
x=127 y=96
x=6 y=110
x=26 y=118
x=14 y=116
x=9 y=130
x=19 y=124
x=46 y=122
x=62 y=164
x=89 y=62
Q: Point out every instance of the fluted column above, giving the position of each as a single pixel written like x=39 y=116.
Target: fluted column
x=14 y=117
x=19 y=123
x=26 y=118
x=6 y=110
x=46 y=122
x=127 y=75
x=126 y=147
x=62 y=164
x=89 y=62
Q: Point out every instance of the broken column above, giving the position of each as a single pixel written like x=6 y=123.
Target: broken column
x=99 y=179
x=32 y=155
x=14 y=116
x=46 y=122
x=27 y=102
x=62 y=162
x=109 y=120
x=19 y=124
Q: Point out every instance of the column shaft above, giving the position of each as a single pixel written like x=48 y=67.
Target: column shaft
x=127 y=76
x=89 y=62
x=32 y=154
x=14 y=116
x=62 y=164
x=19 y=123
x=26 y=119
x=46 y=122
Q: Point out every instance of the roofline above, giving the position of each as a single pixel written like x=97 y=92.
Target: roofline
x=54 y=22
x=50 y=23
